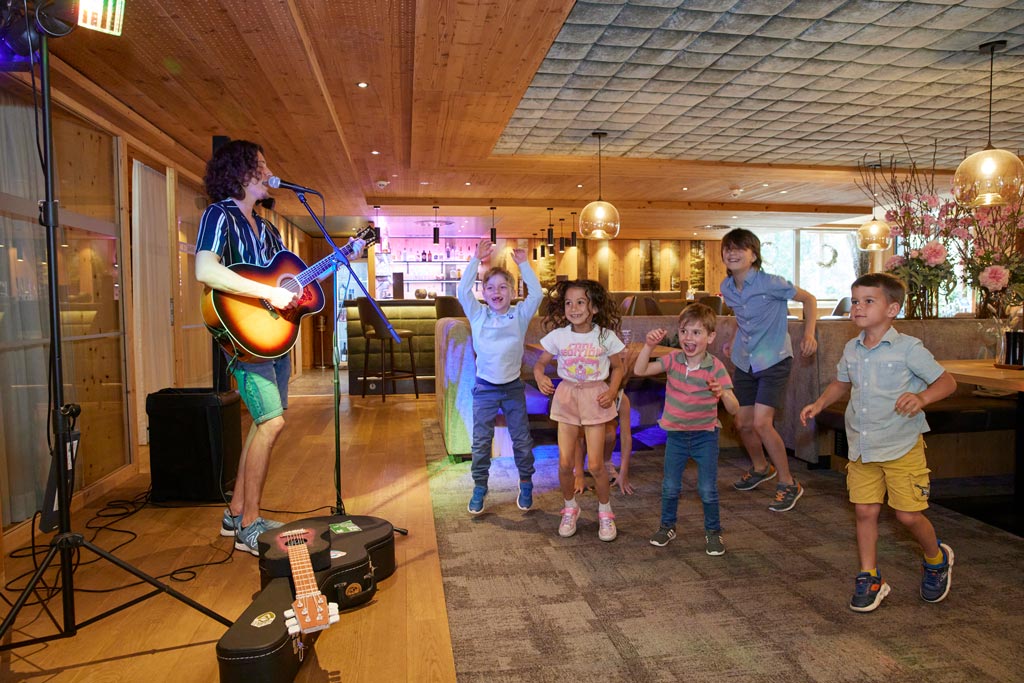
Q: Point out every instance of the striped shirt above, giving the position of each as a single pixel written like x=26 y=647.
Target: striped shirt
x=224 y=231
x=689 y=404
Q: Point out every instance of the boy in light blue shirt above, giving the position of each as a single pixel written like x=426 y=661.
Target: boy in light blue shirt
x=499 y=332
x=893 y=377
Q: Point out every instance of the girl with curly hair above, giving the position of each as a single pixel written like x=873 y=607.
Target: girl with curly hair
x=581 y=320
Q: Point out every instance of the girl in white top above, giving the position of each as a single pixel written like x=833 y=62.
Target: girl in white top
x=582 y=318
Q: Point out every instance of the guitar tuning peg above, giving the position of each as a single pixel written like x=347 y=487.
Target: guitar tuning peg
x=293 y=630
x=289 y=613
x=334 y=619
x=332 y=608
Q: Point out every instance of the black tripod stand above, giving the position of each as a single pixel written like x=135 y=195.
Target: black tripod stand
x=66 y=542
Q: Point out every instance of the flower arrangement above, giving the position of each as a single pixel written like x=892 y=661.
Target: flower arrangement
x=986 y=243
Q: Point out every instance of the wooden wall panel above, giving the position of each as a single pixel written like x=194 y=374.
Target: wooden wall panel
x=714 y=268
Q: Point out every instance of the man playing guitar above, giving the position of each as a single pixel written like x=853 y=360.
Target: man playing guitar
x=231 y=233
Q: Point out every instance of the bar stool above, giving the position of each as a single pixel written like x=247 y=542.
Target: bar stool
x=376 y=329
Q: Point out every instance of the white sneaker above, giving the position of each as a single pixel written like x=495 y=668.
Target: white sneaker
x=606 y=530
x=568 y=526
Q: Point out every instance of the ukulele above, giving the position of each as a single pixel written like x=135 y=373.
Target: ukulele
x=310 y=612
x=252 y=329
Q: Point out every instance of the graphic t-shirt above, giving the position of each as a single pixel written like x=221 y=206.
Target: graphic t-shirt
x=582 y=357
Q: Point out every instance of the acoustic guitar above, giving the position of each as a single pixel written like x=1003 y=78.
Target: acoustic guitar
x=252 y=329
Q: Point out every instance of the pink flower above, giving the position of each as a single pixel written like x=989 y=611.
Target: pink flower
x=894 y=262
x=994 y=278
x=931 y=200
x=933 y=253
x=915 y=253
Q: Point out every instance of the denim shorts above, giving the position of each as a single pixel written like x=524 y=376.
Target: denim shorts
x=767 y=387
x=264 y=386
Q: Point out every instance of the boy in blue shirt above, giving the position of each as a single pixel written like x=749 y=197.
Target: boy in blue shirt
x=893 y=378
x=499 y=332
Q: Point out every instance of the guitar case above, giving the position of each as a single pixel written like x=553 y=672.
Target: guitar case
x=349 y=554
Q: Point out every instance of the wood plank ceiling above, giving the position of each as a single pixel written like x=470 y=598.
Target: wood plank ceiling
x=445 y=77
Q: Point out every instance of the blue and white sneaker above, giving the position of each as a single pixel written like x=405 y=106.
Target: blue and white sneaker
x=937 y=578
x=525 y=499
x=230 y=523
x=245 y=538
x=476 y=503
x=868 y=592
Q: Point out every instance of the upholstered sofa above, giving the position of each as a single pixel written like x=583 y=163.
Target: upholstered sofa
x=946 y=338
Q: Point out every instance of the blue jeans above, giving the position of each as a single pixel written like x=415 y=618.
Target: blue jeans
x=510 y=398
x=703 y=448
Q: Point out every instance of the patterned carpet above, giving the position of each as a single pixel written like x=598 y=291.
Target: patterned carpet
x=526 y=605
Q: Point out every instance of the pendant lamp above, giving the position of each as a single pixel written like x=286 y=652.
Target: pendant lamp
x=599 y=220
x=494 y=231
x=875 y=235
x=991 y=177
x=437 y=227
x=572 y=237
x=551 y=232
x=561 y=235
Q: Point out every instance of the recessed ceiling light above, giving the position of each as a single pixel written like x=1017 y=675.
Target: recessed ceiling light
x=764 y=184
x=363 y=84
x=694 y=232
x=783 y=191
x=579 y=185
x=374 y=152
x=424 y=182
x=394 y=175
x=685 y=189
x=735 y=217
x=468 y=183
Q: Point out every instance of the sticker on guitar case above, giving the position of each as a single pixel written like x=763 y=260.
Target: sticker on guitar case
x=346 y=527
x=265 y=619
x=338 y=554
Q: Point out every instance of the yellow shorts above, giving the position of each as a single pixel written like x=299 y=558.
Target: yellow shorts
x=904 y=479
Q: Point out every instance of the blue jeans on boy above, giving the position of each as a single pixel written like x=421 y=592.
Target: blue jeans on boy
x=511 y=399
x=703 y=448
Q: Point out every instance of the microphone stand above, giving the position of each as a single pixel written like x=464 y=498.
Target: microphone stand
x=341 y=259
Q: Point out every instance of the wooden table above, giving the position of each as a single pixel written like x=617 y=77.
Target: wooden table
x=985 y=374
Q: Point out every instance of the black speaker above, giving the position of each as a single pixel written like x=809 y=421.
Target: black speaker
x=195 y=441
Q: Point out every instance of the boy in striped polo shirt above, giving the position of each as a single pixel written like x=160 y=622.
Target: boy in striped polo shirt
x=697 y=381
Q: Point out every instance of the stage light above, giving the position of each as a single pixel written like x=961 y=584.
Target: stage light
x=106 y=16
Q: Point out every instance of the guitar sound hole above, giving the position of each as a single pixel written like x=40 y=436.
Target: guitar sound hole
x=291 y=284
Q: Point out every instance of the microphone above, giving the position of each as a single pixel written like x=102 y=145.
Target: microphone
x=276 y=182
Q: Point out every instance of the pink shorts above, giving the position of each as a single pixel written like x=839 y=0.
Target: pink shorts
x=576 y=403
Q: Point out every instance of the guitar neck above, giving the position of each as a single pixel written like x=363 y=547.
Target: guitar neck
x=323 y=267
x=302 y=571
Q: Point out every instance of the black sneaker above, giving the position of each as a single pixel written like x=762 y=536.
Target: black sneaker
x=868 y=592
x=937 y=578
x=751 y=478
x=662 y=536
x=713 y=544
x=786 y=497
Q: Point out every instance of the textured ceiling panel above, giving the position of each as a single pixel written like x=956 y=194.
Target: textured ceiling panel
x=808 y=82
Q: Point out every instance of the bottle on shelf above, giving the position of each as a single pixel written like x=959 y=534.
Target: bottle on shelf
x=344 y=352
x=423 y=255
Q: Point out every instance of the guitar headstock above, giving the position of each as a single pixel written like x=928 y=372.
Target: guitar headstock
x=311 y=613
x=366 y=238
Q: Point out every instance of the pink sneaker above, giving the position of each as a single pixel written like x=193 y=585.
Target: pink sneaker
x=568 y=526
x=606 y=531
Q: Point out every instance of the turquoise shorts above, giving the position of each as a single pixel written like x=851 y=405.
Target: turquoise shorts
x=264 y=386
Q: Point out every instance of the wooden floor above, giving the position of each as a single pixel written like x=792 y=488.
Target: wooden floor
x=402 y=635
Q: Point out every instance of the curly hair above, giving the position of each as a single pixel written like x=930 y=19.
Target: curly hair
x=231 y=167
x=606 y=313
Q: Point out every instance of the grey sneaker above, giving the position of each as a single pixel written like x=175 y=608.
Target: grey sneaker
x=786 y=497
x=662 y=536
x=713 y=544
x=750 y=480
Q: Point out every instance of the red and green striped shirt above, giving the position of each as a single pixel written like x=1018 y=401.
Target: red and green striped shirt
x=689 y=404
